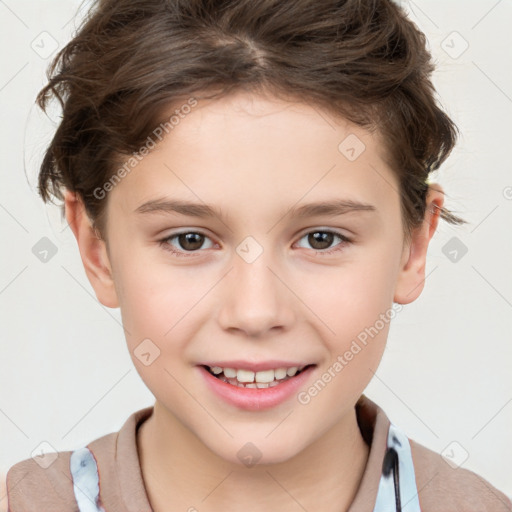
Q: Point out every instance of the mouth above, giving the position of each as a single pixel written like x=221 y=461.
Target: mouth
x=256 y=380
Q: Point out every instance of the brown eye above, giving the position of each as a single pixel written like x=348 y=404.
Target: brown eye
x=187 y=241
x=321 y=241
x=190 y=241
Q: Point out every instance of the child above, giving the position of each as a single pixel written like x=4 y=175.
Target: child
x=259 y=131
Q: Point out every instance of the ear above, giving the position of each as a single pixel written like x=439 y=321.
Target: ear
x=93 y=251
x=411 y=277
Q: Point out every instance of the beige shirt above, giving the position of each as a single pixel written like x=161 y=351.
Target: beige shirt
x=439 y=486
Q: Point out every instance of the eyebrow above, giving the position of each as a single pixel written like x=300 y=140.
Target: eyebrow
x=327 y=208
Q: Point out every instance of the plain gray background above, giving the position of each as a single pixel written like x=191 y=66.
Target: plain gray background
x=66 y=377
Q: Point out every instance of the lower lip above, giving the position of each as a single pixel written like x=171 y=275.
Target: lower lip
x=256 y=399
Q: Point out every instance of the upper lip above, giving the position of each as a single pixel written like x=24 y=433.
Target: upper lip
x=255 y=366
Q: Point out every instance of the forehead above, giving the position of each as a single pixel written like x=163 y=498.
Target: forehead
x=247 y=148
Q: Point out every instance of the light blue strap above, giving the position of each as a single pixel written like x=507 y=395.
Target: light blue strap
x=84 y=472
x=407 y=479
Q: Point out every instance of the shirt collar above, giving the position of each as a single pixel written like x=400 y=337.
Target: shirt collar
x=119 y=464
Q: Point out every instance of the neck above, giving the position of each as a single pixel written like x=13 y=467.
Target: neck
x=180 y=472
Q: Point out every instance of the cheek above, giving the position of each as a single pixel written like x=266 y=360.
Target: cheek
x=355 y=305
x=156 y=328
x=351 y=296
x=149 y=307
x=161 y=305
x=358 y=310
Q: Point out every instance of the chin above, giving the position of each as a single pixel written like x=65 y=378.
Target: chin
x=257 y=454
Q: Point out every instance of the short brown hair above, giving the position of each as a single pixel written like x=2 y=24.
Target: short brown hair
x=362 y=60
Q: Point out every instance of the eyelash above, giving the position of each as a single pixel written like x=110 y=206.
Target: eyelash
x=164 y=243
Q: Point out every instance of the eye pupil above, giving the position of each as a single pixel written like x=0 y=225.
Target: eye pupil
x=185 y=239
x=325 y=238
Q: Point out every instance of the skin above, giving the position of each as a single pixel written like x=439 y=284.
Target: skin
x=255 y=158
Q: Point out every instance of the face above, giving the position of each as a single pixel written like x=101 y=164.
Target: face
x=263 y=278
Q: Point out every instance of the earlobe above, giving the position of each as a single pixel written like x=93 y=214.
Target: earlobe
x=411 y=277
x=93 y=251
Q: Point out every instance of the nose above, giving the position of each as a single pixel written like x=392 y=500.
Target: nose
x=256 y=299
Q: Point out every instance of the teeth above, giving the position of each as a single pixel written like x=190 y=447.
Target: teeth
x=262 y=379
x=265 y=376
x=244 y=376
x=229 y=373
x=291 y=371
x=280 y=373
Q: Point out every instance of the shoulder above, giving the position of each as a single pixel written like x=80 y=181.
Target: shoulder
x=453 y=489
x=42 y=484
x=46 y=482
